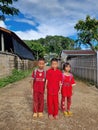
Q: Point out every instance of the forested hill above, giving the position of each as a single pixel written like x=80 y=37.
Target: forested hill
x=53 y=44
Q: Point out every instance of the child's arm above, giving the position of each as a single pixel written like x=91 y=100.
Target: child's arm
x=47 y=77
x=73 y=84
x=32 y=79
x=73 y=88
x=60 y=84
x=32 y=82
x=46 y=83
x=46 y=86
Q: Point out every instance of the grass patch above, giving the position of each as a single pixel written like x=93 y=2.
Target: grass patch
x=15 y=76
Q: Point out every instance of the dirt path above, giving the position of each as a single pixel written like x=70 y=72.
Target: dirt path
x=16 y=109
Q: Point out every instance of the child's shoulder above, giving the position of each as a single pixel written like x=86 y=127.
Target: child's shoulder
x=70 y=74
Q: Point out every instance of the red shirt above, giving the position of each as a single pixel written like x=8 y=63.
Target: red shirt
x=39 y=80
x=68 y=81
x=54 y=77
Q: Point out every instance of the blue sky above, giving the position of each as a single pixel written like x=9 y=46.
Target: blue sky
x=39 y=18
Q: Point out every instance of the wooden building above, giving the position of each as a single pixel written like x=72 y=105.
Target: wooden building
x=14 y=53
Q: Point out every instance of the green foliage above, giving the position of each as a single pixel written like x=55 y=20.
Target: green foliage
x=37 y=48
x=16 y=76
x=5 y=8
x=51 y=44
x=96 y=47
x=87 y=31
x=55 y=44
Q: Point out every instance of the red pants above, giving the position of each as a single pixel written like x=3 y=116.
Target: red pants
x=52 y=102
x=63 y=101
x=38 y=102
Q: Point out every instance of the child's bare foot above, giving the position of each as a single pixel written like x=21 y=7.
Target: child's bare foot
x=35 y=115
x=40 y=114
x=51 y=117
x=56 y=117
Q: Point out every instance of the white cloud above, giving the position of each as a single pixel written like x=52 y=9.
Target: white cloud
x=56 y=17
x=25 y=21
x=45 y=30
x=28 y=35
x=2 y=24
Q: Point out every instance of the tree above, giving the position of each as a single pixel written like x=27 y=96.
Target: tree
x=54 y=44
x=6 y=8
x=87 y=31
x=37 y=48
x=96 y=47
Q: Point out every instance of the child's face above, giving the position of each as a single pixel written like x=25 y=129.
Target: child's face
x=54 y=64
x=68 y=68
x=41 y=64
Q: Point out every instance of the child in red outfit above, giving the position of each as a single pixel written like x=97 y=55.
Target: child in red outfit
x=53 y=80
x=66 y=90
x=38 y=84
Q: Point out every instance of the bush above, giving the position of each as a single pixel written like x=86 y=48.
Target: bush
x=16 y=76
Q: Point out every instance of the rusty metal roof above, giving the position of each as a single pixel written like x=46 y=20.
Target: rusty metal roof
x=79 y=52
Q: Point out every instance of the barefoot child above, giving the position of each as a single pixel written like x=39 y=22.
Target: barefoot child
x=53 y=79
x=38 y=83
x=66 y=90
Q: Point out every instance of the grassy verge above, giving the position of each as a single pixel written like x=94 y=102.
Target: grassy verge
x=16 y=76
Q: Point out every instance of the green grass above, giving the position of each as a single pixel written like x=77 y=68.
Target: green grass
x=16 y=76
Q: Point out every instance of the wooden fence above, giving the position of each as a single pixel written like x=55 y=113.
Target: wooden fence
x=86 y=67
x=9 y=61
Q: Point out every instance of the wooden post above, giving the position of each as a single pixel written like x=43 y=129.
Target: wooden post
x=2 y=42
x=97 y=69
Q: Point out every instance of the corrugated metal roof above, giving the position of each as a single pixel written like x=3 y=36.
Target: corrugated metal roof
x=79 y=52
x=16 y=37
x=10 y=33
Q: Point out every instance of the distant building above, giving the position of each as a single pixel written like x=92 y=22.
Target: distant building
x=10 y=42
x=68 y=54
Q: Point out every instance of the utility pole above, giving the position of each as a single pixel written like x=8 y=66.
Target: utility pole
x=97 y=69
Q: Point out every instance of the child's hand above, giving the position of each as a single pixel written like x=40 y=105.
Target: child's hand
x=59 y=91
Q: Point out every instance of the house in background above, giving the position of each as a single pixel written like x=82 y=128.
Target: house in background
x=10 y=42
x=14 y=53
x=69 y=54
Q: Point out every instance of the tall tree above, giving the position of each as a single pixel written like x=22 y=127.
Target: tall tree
x=6 y=8
x=37 y=48
x=54 y=44
x=87 y=31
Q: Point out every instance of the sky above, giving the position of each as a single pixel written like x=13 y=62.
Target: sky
x=39 y=18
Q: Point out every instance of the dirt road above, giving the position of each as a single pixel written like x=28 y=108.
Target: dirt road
x=16 y=109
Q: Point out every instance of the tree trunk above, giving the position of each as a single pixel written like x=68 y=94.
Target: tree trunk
x=91 y=46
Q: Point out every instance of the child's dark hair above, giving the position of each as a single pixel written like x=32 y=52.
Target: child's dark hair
x=54 y=59
x=41 y=59
x=65 y=65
